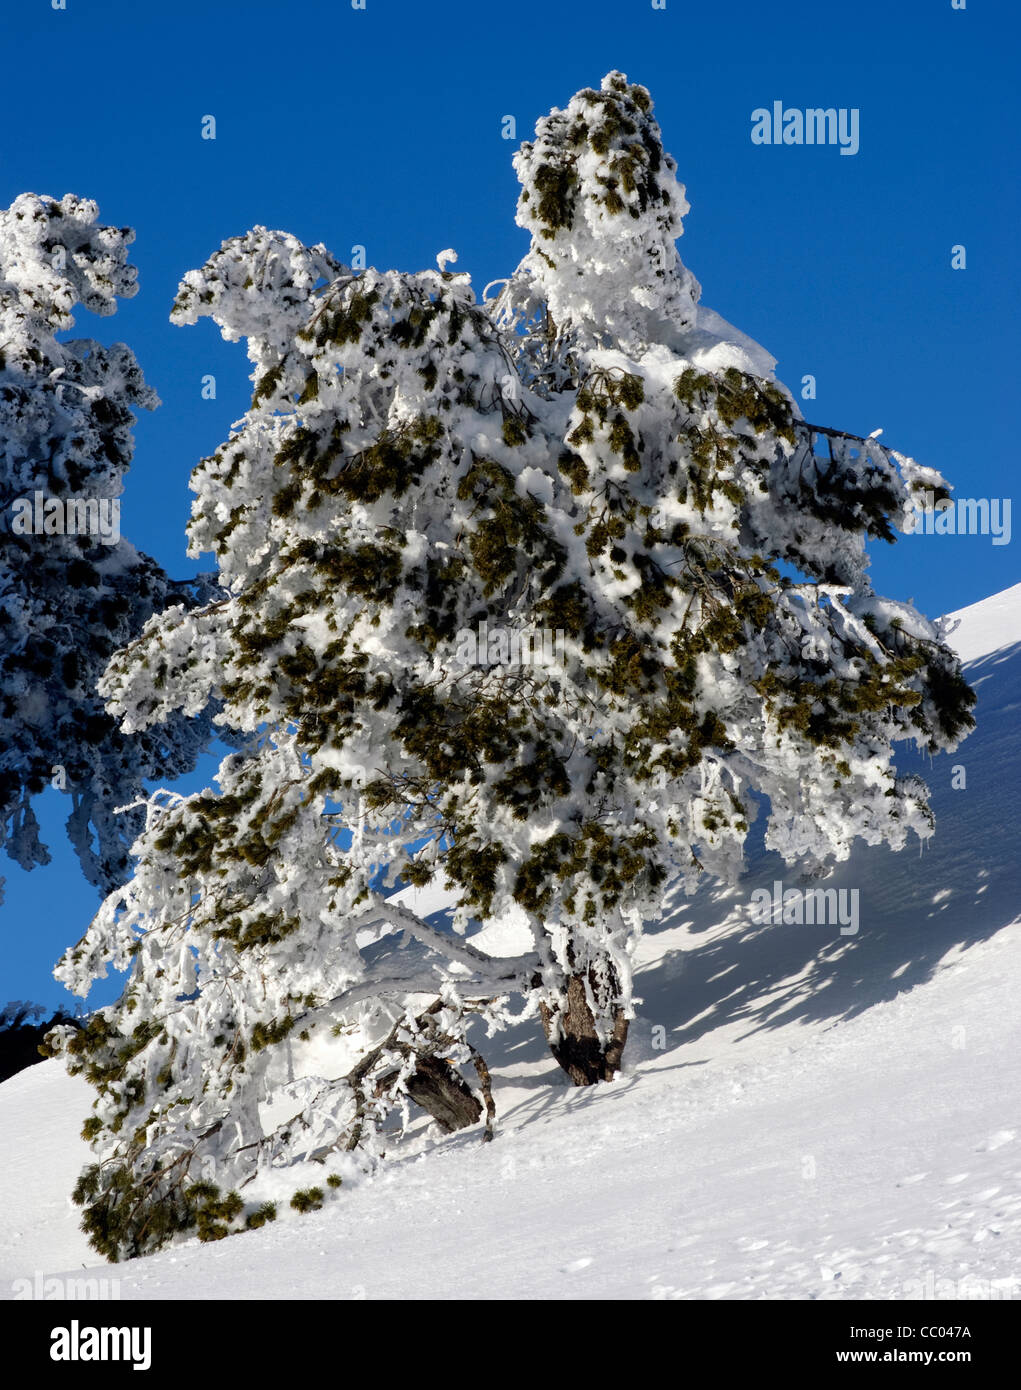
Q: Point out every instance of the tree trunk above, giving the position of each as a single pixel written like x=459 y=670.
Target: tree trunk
x=578 y=1048
x=444 y=1094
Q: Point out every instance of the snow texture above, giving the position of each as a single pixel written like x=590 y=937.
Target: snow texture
x=829 y=1118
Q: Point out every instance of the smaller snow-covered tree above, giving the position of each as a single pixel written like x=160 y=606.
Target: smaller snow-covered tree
x=23 y=1033
x=70 y=595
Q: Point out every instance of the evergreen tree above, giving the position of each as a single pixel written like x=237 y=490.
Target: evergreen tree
x=71 y=590
x=420 y=476
x=23 y=1032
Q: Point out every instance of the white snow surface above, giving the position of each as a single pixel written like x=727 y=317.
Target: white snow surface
x=819 y=1115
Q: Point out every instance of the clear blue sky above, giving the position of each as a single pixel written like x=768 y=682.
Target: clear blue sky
x=382 y=128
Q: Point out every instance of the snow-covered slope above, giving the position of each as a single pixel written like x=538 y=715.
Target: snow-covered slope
x=41 y=1155
x=804 y=1114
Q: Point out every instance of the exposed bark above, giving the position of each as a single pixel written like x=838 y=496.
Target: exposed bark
x=571 y=1033
x=444 y=1094
x=435 y=1085
x=486 y=1082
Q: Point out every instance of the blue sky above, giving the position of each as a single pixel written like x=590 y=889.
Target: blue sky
x=382 y=128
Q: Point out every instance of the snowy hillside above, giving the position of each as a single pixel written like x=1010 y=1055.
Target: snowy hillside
x=803 y=1113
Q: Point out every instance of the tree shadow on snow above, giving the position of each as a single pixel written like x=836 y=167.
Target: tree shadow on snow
x=914 y=906
x=710 y=966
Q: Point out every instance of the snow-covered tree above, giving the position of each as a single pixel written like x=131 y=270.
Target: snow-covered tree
x=249 y=923
x=743 y=652
x=593 y=456
x=71 y=590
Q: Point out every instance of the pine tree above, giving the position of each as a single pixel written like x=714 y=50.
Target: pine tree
x=419 y=479
x=247 y=912
x=71 y=590
x=742 y=649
